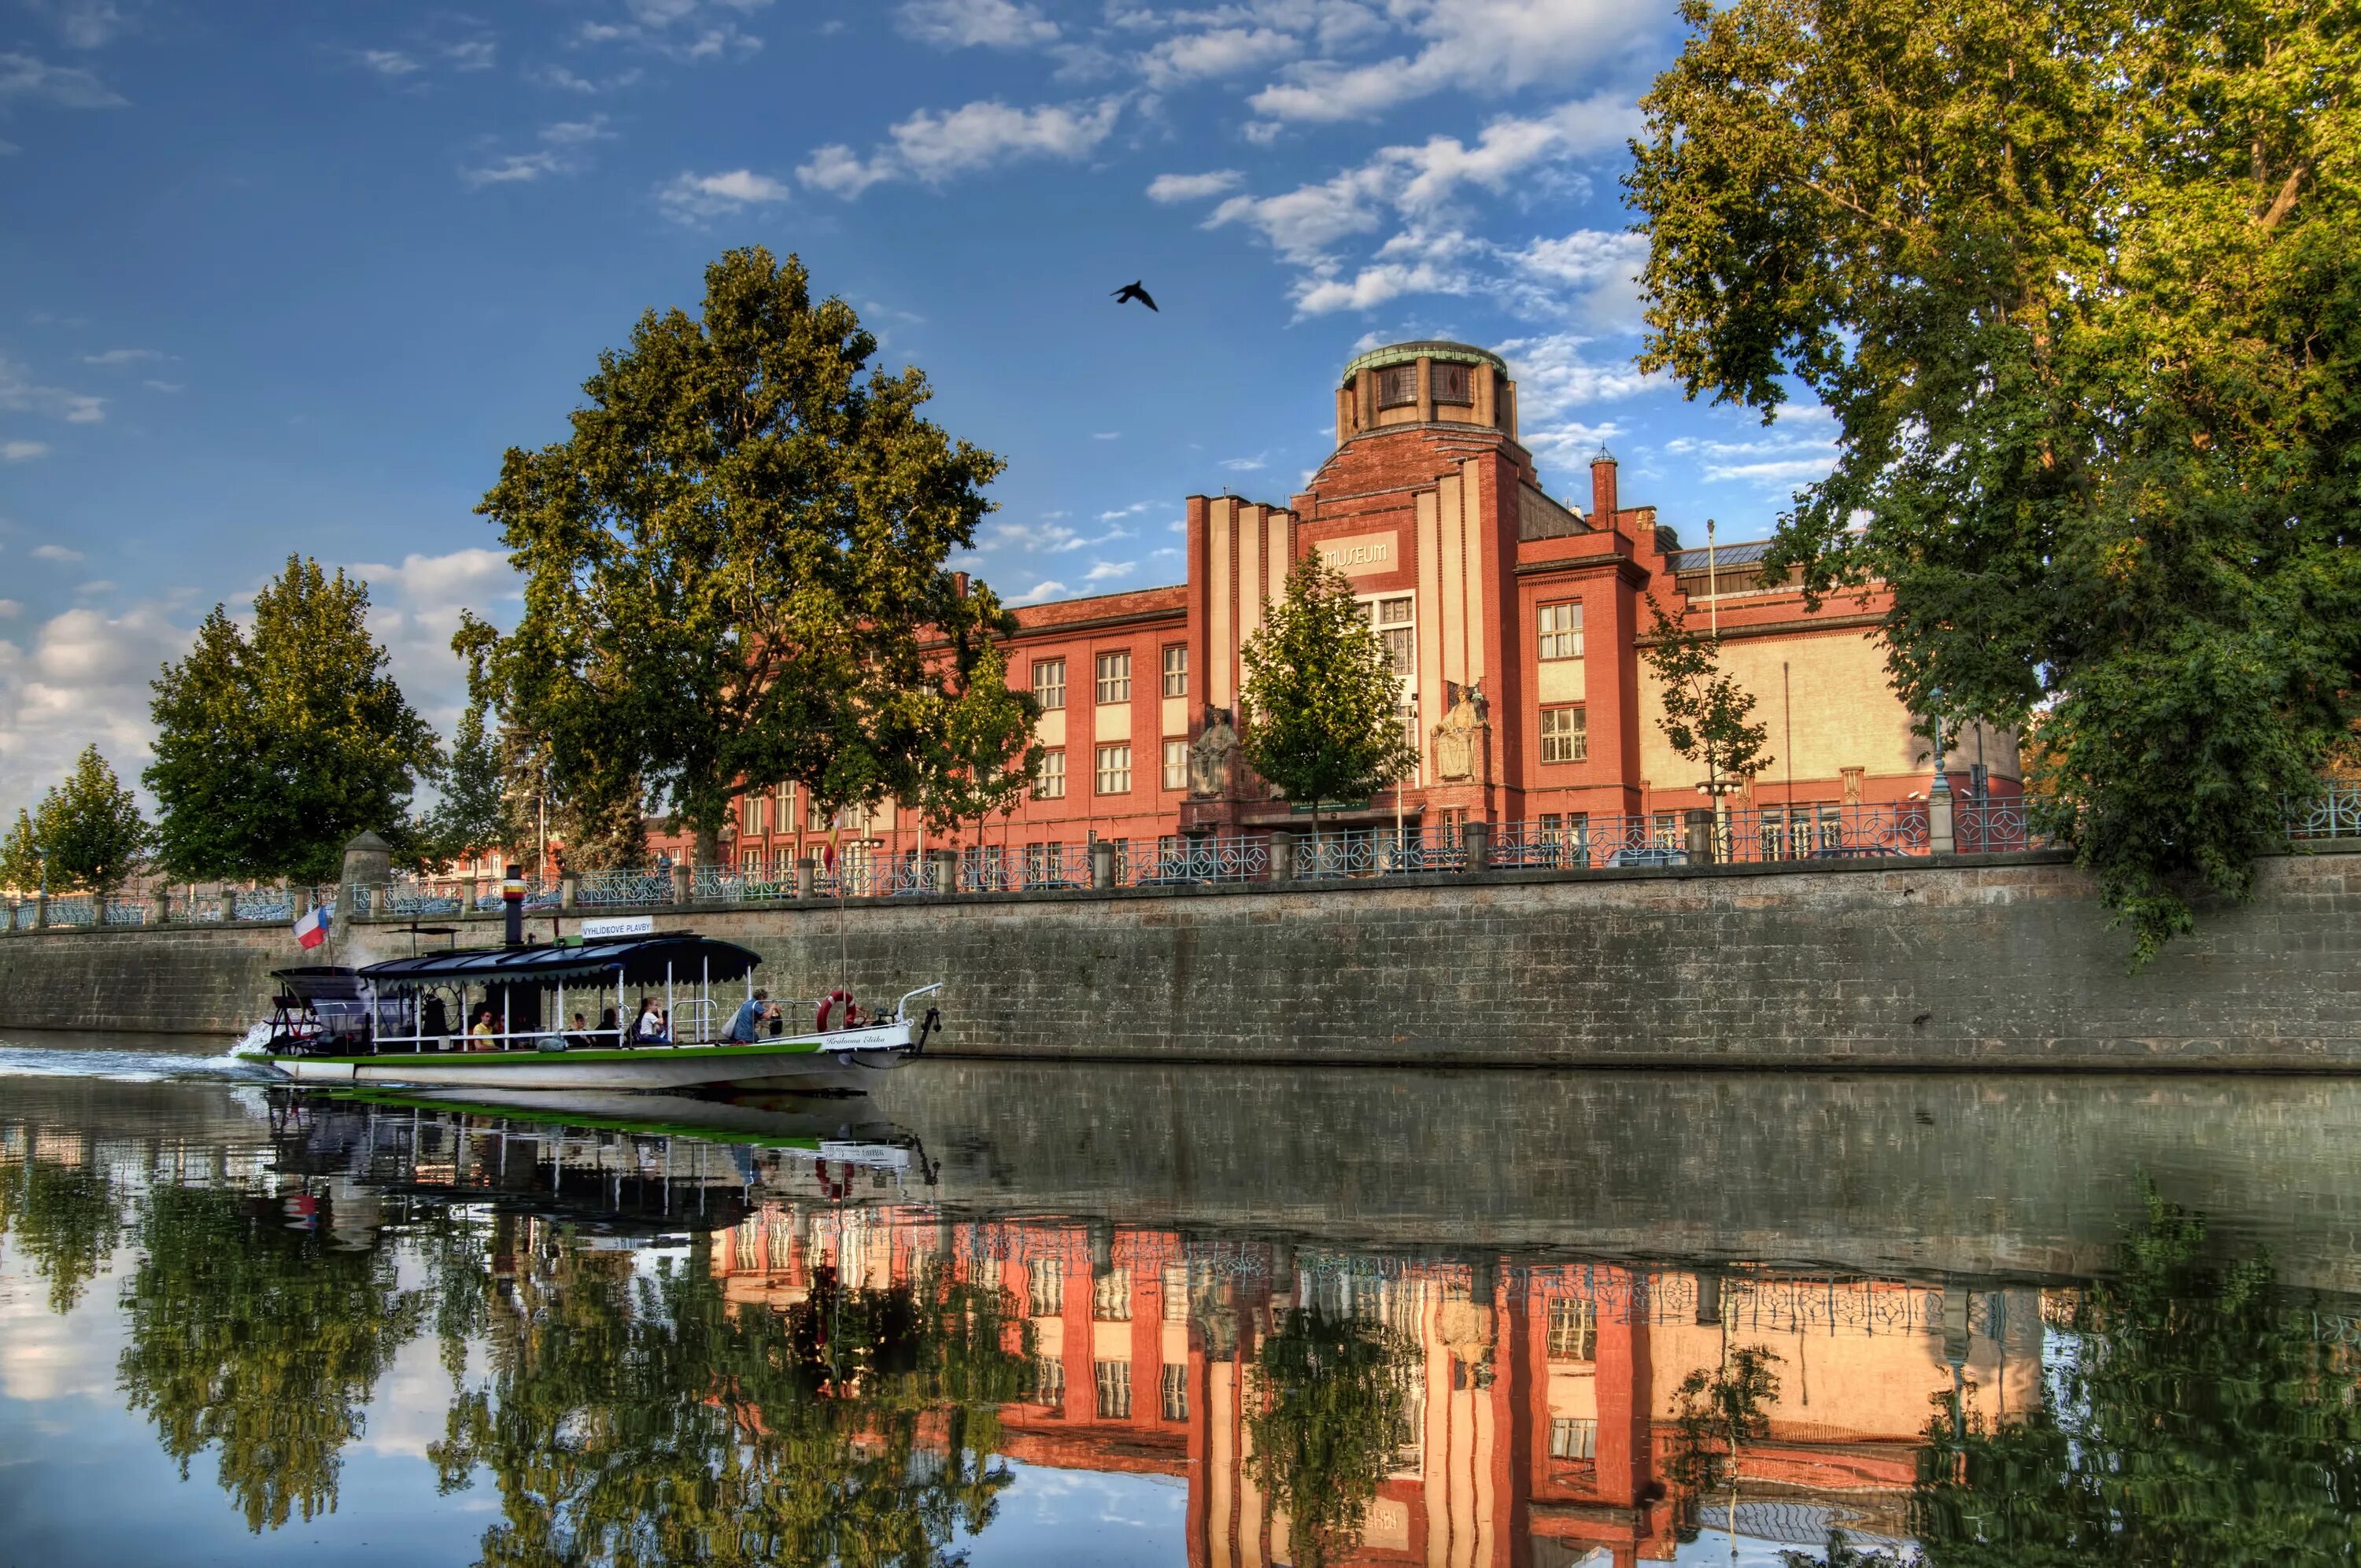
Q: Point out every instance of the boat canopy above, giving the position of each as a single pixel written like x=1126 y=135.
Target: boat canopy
x=636 y=961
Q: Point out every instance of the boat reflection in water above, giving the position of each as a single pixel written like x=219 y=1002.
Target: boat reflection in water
x=829 y=1331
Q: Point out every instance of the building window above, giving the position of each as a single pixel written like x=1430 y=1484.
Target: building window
x=1451 y=383
x=1176 y=1292
x=1176 y=670
x=1561 y=631
x=1049 y=776
x=1049 y=1381
x=1573 y=1329
x=1565 y=737
x=783 y=862
x=1114 y=771
x=1175 y=1391
x=1395 y=617
x=1046 y=1286
x=1398 y=387
x=1049 y=683
x=1176 y=764
x=750 y=862
x=1111 y=1297
x=1572 y=1437
x=1113 y=1378
x=782 y=811
x=1114 y=677
x=752 y=815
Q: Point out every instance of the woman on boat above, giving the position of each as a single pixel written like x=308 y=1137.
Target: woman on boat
x=652 y=1029
x=609 y=1033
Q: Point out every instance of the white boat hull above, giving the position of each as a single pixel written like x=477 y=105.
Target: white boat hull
x=839 y=1059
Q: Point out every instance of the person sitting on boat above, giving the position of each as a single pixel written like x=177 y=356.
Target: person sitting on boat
x=579 y=1038
x=434 y=1021
x=610 y=1032
x=745 y=1027
x=777 y=1018
x=482 y=1037
x=652 y=1028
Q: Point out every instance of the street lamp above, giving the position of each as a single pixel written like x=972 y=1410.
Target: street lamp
x=1942 y=783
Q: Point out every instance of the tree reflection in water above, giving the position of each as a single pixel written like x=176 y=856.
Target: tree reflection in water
x=639 y=1419
x=1332 y=1420
x=249 y=1331
x=66 y=1216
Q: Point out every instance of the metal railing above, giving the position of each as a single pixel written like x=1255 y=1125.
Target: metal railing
x=1183 y=862
x=623 y=888
x=2334 y=812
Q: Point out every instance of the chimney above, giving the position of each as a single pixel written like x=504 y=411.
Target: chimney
x=960 y=579
x=1602 y=489
x=512 y=906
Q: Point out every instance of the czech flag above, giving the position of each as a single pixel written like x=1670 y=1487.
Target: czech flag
x=313 y=929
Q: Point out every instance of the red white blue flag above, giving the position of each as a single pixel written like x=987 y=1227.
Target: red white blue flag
x=313 y=929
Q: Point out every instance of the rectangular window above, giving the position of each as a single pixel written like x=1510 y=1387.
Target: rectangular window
x=1176 y=1292
x=1552 y=826
x=1573 y=1329
x=1565 y=736
x=1049 y=1381
x=1451 y=383
x=1668 y=829
x=1111 y=1297
x=1176 y=669
x=1049 y=776
x=1398 y=387
x=1046 y=1286
x=1113 y=1378
x=1049 y=683
x=1395 y=618
x=784 y=811
x=1175 y=1391
x=1573 y=1437
x=1114 y=677
x=750 y=810
x=750 y=862
x=783 y=862
x=1176 y=764
x=1115 y=769
x=1561 y=631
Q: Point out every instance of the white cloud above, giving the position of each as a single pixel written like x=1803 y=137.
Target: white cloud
x=11 y=608
x=22 y=451
x=414 y=609
x=1783 y=472
x=1218 y=51
x=165 y=386
x=57 y=553
x=1109 y=571
x=84 y=681
x=1487 y=46
x=1169 y=188
x=1050 y=536
x=962 y=23
x=687 y=30
x=932 y=146
x=515 y=169
x=566 y=81
x=391 y=62
x=563 y=150
x=1246 y=465
x=1780 y=456
x=19 y=393
x=1106 y=435
x=693 y=198
x=1035 y=594
x=1554 y=377
x=476 y=54
x=123 y=357
x=82 y=24
x=64 y=86
x=1133 y=510
x=576 y=133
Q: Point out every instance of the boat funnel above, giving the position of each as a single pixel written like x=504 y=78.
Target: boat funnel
x=513 y=905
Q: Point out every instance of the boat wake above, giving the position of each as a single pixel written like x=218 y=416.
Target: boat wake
x=133 y=1066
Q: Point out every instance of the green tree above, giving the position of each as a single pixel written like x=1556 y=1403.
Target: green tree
x=274 y=750
x=1704 y=710
x=67 y=1218
x=982 y=759
x=20 y=856
x=473 y=813
x=2195 y=1416
x=730 y=562
x=1320 y=715
x=1330 y=1423
x=90 y=828
x=2077 y=283
x=259 y=1341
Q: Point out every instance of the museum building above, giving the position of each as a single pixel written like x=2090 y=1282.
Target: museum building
x=1516 y=621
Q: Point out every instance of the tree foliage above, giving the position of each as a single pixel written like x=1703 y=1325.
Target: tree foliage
x=1330 y=1421
x=982 y=759
x=1320 y=715
x=21 y=855
x=67 y=1217
x=273 y=749
x=89 y=828
x=2077 y=283
x=1704 y=716
x=733 y=564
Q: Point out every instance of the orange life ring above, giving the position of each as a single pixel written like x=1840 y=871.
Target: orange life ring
x=828 y=1001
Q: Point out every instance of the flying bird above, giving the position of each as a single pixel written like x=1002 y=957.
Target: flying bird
x=1132 y=290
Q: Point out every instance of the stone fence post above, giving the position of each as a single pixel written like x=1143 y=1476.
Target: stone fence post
x=1941 y=839
x=1101 y=863
x=683 y=883
x=568 y=890
x=806 y=874
x=40 y=912
x=163 y=896
x=1700 y=835
x=98 y=911
x=1283 y=855
x=946 y=870
x=228 y=904
x=1477 y=837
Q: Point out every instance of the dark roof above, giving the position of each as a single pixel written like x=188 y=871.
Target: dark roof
x=1723 y=556
x=639 y=960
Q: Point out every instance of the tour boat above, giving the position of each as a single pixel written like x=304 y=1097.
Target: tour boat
x=484 y=1017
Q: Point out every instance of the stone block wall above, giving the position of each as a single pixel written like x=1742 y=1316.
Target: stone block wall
x=192 y=980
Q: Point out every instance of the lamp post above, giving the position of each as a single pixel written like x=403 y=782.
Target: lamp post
x=1398 y=784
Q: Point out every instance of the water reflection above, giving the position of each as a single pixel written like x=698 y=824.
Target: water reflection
x=816 y=1333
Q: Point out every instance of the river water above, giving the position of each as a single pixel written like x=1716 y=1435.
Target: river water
x=1013 y=1313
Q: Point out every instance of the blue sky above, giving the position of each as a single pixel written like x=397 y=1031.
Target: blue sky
x=289 y=278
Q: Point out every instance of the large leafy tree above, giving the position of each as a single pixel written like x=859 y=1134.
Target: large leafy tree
x=90 y=828
x=732 y=562
x=21 y=855
x=275 y=747
x=2077 y=283
x=1322 y=709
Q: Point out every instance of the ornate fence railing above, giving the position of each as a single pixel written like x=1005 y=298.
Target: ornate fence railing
x=2334 y=812
x=1180 y=862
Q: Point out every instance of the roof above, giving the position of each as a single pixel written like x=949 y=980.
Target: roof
x=1424 y=349
x=1723 y=556
x=636 y=961
x=1145 y=603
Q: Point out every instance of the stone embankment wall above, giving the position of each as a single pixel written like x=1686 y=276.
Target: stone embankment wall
x=1994 y=962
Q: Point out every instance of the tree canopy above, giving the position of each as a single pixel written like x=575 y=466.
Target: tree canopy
x=274 y=748
x=734 y=565
x=982 y=759
x=1320 y=715
x=87 y=829
x=2076 y=282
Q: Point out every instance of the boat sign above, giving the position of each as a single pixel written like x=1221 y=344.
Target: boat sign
x=619 y=926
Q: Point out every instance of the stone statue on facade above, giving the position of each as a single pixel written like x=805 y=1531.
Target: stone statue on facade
x=1458 y=738
x=1210 y=756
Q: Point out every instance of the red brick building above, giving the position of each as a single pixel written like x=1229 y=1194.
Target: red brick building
x=1517 y=621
